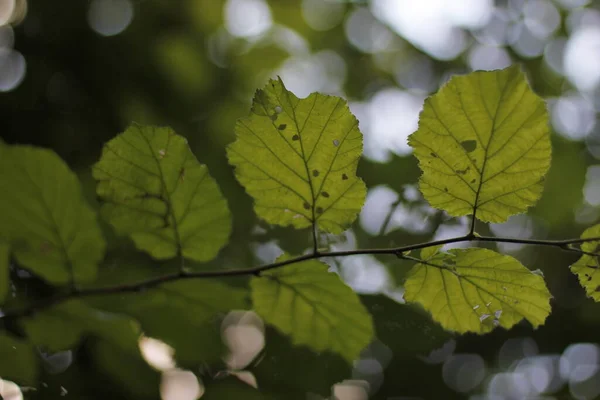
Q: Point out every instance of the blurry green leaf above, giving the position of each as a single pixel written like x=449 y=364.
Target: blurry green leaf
x=403 y=328
x=184 y=314
x=18 y=361
x=297 y=158
x=484 y=146
x=61 y=327
x=314 y=307
x=475 y=290
x=52 y=230
x=563 y=193
x=288 y=369
x=587 y=266
x=4 y=270
x=155 y=190
x=127 y=369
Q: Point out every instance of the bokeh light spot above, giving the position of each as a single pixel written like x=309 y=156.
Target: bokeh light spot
x=110 y=17
x=247 y=18
x=12 y=69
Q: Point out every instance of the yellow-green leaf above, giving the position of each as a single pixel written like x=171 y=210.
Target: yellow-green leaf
x=484 y=146
x=475 y=290
x=314 y=307
x=51 y=229
x=586 y=268
x=155 y=190
x=429 y=252
x=297 y=158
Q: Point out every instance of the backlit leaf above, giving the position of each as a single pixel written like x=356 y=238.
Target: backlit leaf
x=314 y=307
x=51 y=229
x=155 y=190
x=475 y=290
x=297 y=158
x=484 y=146
x=586 y=268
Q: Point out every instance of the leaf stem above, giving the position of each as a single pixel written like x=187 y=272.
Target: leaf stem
x=11 y=314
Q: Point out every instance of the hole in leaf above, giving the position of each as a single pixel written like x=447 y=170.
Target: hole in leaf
x=273 y=117
x=445 y=189
x=473 y=180
x=306 y=206
x=315 y=173
x=344 y=177
x=463 y=171
x=325 y=194
x=433 y=155
x=295 y=137
x=282 y=127
x=319 y=210
x=278 y=109
x=469 y=145
x=336 y=142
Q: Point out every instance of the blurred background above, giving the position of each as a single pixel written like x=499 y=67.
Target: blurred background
x=74 y=73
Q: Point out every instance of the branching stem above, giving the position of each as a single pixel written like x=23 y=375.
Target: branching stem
x=12 y=314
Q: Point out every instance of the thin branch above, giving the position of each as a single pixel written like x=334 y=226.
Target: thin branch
x=256 y=271
x=388 y=217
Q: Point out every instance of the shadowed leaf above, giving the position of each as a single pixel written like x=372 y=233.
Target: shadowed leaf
x=51 y=229
x=19 y=362
x=4 y=270
x=155 y=190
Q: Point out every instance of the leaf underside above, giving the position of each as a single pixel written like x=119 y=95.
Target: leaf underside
x=586 y=268
x=297 y=158
x=483 y=144
x=475 y=290
x=314 y=307
x=154 y=190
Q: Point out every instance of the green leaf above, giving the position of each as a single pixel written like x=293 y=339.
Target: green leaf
x=297 y=158
x=184 y=314
x=61 y=327
x=4 y=270
x=52 y=230
x=155 y=190
x=429 y=252
x=314 y=307
x=587 y=266
x=18 y=361
x=483 y=144
x=474 y=290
